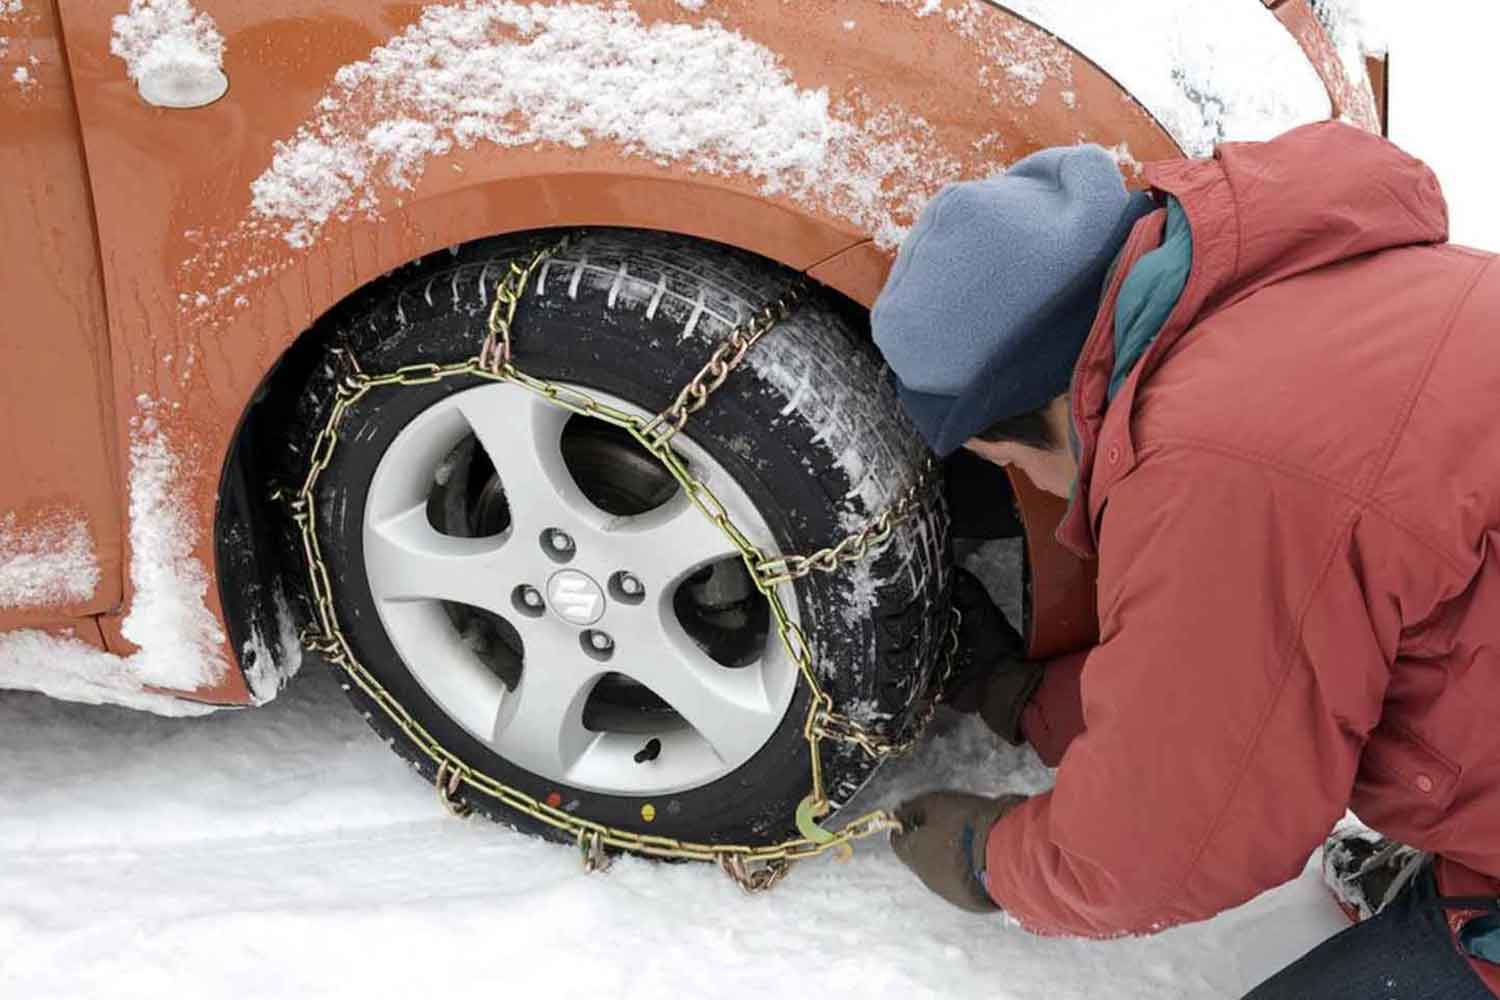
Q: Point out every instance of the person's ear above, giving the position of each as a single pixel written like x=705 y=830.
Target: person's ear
x=998 y=452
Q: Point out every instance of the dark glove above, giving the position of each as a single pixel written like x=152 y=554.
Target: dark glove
x=942 y=839
x=991 y=675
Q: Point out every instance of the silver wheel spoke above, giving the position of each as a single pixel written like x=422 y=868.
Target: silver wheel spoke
x=407 y=473
x=540 y=723
x=407 y=559
x=729 y=707
x=664 y=545
x=522 y=434
x=446 y=666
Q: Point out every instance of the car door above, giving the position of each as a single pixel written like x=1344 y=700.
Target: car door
x=60 y=498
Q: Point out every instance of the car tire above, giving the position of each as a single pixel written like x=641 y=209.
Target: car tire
x=807 y=430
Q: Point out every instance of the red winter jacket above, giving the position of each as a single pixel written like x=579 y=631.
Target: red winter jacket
x=1295 y=506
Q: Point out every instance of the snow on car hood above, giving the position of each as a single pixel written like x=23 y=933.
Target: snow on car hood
x=1207 y=71
x=1357 y=28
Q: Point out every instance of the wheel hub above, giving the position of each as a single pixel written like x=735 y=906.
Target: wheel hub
x=575 y=597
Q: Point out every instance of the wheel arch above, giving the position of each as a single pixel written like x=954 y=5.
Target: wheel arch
x=257 y=586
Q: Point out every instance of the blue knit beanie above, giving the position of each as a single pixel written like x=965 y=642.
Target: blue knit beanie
x=994 y=291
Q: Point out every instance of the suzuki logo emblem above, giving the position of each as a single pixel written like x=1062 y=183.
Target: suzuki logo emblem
x=575 y=597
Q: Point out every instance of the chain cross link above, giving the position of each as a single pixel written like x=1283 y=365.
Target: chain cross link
x=495 y=352
x=853 y=548
x=725 y=359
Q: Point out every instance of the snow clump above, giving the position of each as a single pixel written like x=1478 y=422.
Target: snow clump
x=168 y=618
x=173 y=52
x=572 y=74
x=68 y=669
x=8 y=10
x=48 y=564
x=268 y=672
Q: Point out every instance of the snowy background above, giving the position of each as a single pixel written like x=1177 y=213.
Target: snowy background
x=286 y=852
x=1442 y=63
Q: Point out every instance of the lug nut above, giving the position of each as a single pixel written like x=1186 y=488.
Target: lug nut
x=627 y=588
x=528 y=600
x=596 y=644
x=560 y=541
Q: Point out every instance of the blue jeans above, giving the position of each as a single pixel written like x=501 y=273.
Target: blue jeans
x=1403 y=953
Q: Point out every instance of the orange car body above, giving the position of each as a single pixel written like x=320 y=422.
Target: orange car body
x=144 y=295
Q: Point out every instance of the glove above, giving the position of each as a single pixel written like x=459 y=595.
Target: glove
x=991 y=675
x=942 y=839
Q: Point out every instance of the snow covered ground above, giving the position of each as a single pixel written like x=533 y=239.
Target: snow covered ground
x=285 y=852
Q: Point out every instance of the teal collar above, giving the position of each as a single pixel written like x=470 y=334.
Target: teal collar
x=1149 y=293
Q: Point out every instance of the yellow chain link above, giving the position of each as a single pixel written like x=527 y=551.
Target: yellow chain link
x=754 y=868
x=854 y=548
x=725 y=358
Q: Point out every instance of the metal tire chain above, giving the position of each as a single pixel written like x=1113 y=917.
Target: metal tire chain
x=753 y=868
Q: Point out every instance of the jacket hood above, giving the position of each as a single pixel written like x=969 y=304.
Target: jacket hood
x=1259 y=213
x=1264 y=211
